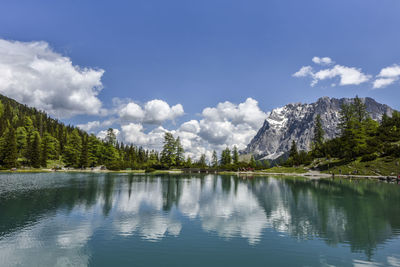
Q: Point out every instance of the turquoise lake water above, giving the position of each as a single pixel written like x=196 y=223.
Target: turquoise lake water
x=85 y=219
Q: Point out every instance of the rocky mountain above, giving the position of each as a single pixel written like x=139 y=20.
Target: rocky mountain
x=296 y=122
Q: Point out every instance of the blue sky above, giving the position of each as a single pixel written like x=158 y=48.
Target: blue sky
x=201 y=53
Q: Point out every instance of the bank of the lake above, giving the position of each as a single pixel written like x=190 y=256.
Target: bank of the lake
x=286 y=172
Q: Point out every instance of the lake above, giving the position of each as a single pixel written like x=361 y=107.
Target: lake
x=89 y=219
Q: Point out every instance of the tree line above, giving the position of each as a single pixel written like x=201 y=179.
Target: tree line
x=172 y=156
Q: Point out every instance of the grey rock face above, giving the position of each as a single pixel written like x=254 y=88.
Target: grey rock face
x=296 y=122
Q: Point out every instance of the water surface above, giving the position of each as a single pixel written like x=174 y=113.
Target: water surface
x=80 y=219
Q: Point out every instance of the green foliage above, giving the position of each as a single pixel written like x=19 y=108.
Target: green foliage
x=361 y=138
x=297 y=158
x=73 y=149
x=202 y=161
x=318 y=138
x=34 y=155
x=179 y=154
x=214 y=159
x=9 y=149
x=235 y=156
x=172 y=153
x=168 y=155
x=252 y=163
x=226 y=158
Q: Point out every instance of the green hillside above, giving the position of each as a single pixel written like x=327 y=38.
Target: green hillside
x=30 y=138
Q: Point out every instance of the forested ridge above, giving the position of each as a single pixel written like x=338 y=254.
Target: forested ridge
x=29 y=137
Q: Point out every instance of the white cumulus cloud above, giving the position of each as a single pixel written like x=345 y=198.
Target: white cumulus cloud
x=134 y=133
x=387 y=76
x=92 y=126
x=153 y=112
x=304 y=72
x=226 y=124
x=322 y=60
x=32 y=73
x=346 y=75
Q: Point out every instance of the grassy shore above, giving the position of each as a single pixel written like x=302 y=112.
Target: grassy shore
x=386 y=166
x=320 y=168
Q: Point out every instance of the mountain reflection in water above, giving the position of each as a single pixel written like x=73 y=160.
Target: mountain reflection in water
x=66 y=212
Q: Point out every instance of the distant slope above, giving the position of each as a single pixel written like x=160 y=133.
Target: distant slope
x=296 y=122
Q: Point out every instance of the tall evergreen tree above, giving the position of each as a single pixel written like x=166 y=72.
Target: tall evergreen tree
x=22 y=140
x=10 y=149
x=293 y=154
x=168 y=154
x=214 y=159
x=252 y=163
x=318 y=138
x=319 y=132
x=235 y=156
x=202 y=161
x=226 y=158
x=72 y=149
x=188 y=163
x=45 y=150
x=180 y=157
x=293 y=150
x=35 y=150
x=84 y=159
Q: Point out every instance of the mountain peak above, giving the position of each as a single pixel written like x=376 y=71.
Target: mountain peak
x=295 y=121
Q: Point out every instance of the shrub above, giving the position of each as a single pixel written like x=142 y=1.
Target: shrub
x=369 y=157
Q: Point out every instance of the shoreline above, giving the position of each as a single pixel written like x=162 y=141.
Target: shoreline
x=310 y=174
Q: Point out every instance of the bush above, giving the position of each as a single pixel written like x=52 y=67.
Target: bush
x=149 y=170
x=369 y=157
x=114 y=165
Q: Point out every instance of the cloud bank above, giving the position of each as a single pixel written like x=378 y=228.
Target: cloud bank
x=226 y=124
x=33 y=74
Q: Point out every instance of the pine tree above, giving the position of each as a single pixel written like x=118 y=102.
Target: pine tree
x=180 y=158
x=168 y=154
x=252 y=163
x=83 y=162
x=318 y=131
x=226 y=158
x=35 y=150
x=293 y=150
x=214 y=159
x=22 y=140
x=318 y=138
x=360 y=110
x=188 y=162
x=235 y=156
x=73 y=148
x=45 y=151
x=293 y=154
x=111 y=138
x=10 y=149
x=202 y=161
